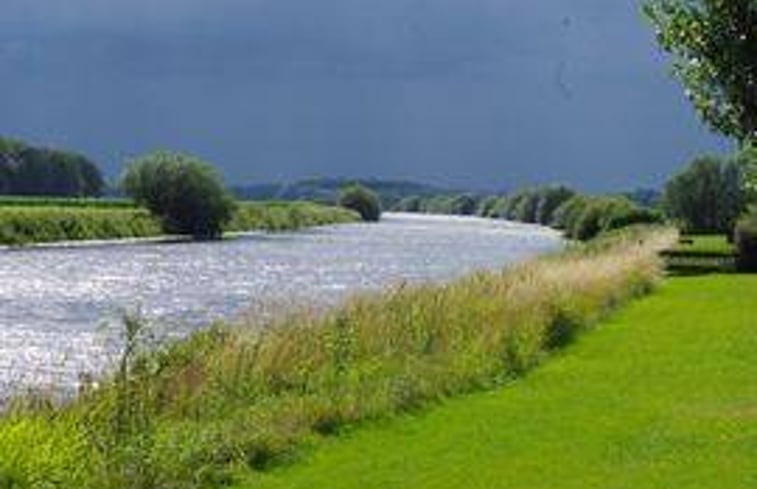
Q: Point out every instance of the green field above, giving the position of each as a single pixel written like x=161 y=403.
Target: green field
x=715 y=244
x=661 y=396
x=25 y=220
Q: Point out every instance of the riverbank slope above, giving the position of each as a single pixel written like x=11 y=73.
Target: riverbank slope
x=661 y=395
x=193 y=413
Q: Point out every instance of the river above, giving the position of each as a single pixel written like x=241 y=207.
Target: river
x=60 y=306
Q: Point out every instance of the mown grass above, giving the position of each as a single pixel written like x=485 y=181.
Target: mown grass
x=223 y=401
x=661 y=396
x=50 y=220
x=697 y=254
x=716 y=244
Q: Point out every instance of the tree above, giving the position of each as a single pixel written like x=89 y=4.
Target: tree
x=362 y=200
x=707 y=197
x=550 y=199
x=28 y=170
x=184 y=192
x=714 y=48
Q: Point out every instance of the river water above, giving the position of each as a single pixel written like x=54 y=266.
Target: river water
x=60 y=306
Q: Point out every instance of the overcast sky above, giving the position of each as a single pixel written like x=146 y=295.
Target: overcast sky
x=468 y=93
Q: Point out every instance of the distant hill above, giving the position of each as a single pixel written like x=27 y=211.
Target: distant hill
x=327 y=189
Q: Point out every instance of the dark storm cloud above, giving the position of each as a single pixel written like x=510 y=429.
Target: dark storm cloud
x=474 y=92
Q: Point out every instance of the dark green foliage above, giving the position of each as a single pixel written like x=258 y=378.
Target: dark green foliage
x=714 y=47
x=598 y=215
x=583 y=217
x=745 y=237
x=526 y=207
x=550 y=198
x=326 y=190
x=535 y=205
x=409 y=204
x=510 y=209
x=487 y=206
x=26 y=170
x=707 y=197
x=361 y=200
x=449 y=204
x=567 y=214
x=634 y=215
x=184 y=192
x=463 y=205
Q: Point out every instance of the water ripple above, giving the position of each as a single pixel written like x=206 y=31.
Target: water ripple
x=59 y=307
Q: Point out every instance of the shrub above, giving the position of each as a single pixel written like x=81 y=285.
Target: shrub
x=551 y=198
x=362 y=200
x=568 y=213
x=707 y=197
x=745 y=236
x=638 y=215
x=599 y=214
x=463 y=205
x=528 y=204
x=183 y=191
x=412 y=203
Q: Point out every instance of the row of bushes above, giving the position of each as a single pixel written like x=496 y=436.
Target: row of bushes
x=580 y=216
x=584 y=217
x=451 y=204
x=186 y=416
x=21 y=225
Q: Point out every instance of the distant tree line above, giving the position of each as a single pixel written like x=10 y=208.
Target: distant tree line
x=29 y=170
x=463 y=204
x=579 y=216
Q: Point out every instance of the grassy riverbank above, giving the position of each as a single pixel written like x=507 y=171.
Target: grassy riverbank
x=223 y=401
x=25 y=220
x=662 y=396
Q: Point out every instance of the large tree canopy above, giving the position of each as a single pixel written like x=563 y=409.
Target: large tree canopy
x=27 y=170
x=708 y=196
x=186 y=193
x=714 y=47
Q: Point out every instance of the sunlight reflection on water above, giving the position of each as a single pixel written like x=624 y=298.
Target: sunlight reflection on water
x=59 y=307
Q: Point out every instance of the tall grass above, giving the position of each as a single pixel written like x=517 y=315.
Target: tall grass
x=86 y=219
x=39 y=224
x=88 y=202
x=188 y=414
x=285 y=216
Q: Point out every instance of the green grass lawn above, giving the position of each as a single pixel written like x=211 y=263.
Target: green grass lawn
x=662 y=396
x=706 y=244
